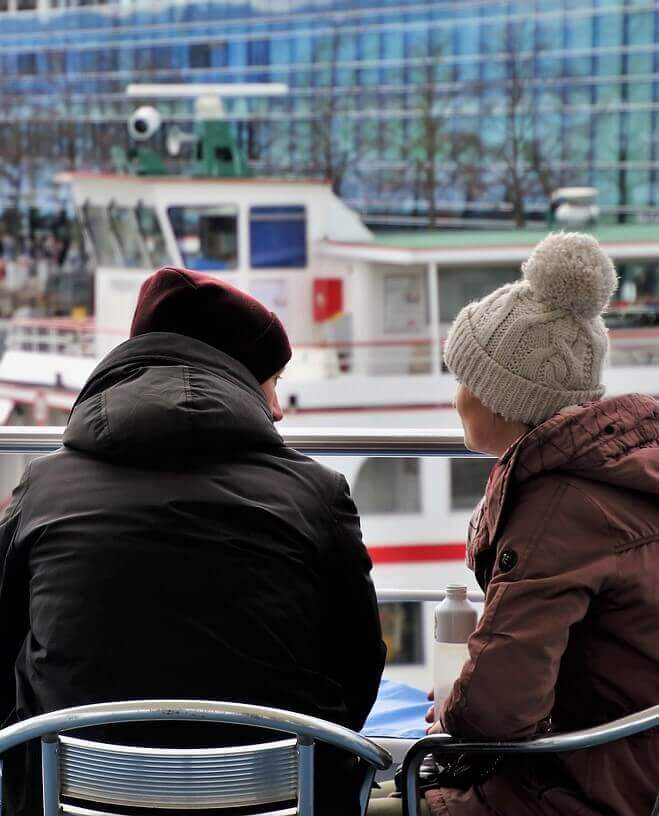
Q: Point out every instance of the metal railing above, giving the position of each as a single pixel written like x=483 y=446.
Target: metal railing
x=315 y=441
x=420 y=595
x=635 y=345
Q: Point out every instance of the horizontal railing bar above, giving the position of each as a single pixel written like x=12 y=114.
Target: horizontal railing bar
x=318 y=441
x=426 y=595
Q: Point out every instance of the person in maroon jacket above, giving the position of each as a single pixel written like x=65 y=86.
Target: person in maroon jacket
x=565 y=544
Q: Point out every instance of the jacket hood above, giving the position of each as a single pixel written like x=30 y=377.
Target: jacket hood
x=614 y=441
x=161 y=395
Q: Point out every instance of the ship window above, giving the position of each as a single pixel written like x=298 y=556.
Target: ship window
x=468 y=480
x=278 y=237
x=151 y=231
x=457 y=287
x=127 y=232
x=388 y=485
x=207 y=237
x=98 y=227
x=402 y=632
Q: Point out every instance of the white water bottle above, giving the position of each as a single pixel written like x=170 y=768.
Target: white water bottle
x=455 y=620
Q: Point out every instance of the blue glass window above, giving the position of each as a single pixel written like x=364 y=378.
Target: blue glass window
x=467 y=39
x=637 y=184
x=640 y=63
x=258 y=52
x=578 y=32
x=608 y=30
x=640 y=135
x=641 y=27
x=278 y=237
x=200 y=55
x=27 y=63
x=393 y=45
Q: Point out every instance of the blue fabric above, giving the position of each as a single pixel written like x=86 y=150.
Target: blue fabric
x=399 y=711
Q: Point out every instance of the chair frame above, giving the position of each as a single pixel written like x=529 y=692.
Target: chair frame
x=553 y=743
x=308 y=730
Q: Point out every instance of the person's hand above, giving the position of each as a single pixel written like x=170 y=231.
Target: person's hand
x=435 y=726
x=430 y=713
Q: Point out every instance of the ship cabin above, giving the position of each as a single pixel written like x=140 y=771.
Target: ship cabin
x=357 y=305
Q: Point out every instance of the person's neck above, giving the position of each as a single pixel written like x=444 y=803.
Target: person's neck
x=507 y=437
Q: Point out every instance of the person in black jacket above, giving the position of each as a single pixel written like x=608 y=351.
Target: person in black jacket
x=174 y=547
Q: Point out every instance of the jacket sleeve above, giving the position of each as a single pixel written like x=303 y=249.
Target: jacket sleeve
x=549 y=565
x=14 y=599
x=358 y=651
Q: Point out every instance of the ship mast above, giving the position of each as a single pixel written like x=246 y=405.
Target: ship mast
x=217 y=154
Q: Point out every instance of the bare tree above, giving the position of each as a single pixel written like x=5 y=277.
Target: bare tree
x=14 y=151
x=527 y=153
x=330 y=151
x=26 y=146
x=443 y=156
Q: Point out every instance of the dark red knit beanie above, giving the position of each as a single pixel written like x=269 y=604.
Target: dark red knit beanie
x=211 y=310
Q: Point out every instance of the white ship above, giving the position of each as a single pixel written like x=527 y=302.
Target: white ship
x=366 y=314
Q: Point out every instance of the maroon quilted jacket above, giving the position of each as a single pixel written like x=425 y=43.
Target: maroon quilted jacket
x=567 y=544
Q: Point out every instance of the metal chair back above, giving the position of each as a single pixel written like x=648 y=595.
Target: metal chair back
x=553 y=743
x=80 y=775
x=247 y=776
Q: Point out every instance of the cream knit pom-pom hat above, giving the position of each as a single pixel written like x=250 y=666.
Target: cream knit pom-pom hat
x=537 y=345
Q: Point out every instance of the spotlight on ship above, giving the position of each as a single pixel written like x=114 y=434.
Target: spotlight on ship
x=144 y=123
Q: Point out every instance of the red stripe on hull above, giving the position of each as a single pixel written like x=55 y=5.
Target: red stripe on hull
x=417 y=553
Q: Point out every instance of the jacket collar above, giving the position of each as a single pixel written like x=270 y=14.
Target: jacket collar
x=603 y=441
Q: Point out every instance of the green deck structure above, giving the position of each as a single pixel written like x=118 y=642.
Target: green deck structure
x=508 y=237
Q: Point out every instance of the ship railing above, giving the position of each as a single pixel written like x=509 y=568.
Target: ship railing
x=372 y=357
x=420 y=596
x=51 y=335
x=380 y=442
x=34 y=439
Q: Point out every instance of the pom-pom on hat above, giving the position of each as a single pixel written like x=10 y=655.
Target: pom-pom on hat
x=213 y=311
x=535 y=346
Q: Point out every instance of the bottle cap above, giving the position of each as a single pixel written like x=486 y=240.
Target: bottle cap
x=456 y=591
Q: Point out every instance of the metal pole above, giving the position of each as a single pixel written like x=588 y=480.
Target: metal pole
x=387 y=595
x=435 y=333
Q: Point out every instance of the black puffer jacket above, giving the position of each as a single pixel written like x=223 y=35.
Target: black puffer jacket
x=175 y=547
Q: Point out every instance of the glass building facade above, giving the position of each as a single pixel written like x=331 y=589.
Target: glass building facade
x=416 y=109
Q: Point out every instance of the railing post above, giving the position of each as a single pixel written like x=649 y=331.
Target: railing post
x=305 y=776
x=433 y=311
